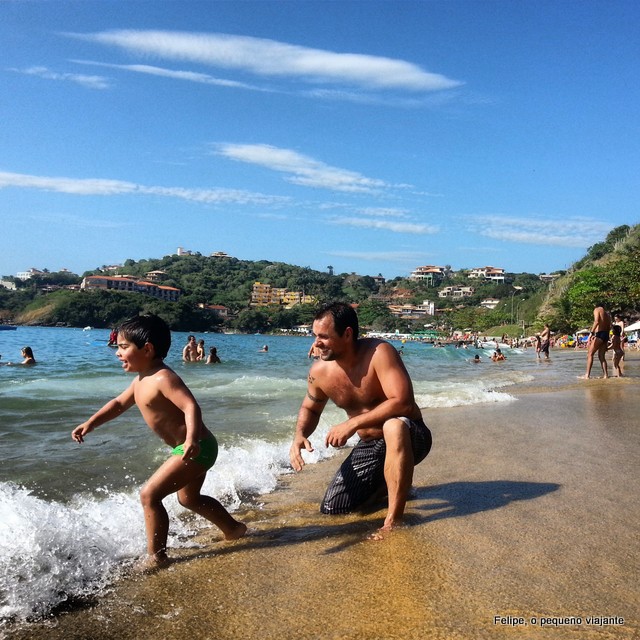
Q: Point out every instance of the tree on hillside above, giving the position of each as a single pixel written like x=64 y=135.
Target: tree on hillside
x=375 y=315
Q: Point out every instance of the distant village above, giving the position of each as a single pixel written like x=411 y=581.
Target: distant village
x=265 y=295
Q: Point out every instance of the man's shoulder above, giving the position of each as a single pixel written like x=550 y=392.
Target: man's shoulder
x=373 y=344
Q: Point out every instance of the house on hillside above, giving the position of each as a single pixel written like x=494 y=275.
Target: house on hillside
x=456 y=292
x=432 y=274
x=107 y=283
x=495 y=274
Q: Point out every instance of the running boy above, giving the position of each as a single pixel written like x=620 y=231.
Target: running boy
x=171 y=411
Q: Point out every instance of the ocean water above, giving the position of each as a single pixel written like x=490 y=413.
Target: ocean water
x=69 y=514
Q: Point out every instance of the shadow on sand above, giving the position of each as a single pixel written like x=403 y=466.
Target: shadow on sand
x=458 y=499
x=426 y=504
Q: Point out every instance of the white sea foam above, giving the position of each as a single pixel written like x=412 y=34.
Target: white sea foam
x=50 y=551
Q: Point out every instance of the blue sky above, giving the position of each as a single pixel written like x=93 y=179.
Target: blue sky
x=370 y=136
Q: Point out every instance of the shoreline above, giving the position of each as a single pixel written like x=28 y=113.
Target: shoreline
x=522 y=509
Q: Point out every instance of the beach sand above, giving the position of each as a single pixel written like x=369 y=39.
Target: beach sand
x=523 y=509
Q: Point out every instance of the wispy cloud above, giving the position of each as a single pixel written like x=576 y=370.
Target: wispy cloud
x=388 y=212
x=380 y=256
x=301 y=169
x=92 y=82
x=101 y=187
x=271 y=58
x=70 y=221
x=190 y=76
x=386 y=225
x=567 y=232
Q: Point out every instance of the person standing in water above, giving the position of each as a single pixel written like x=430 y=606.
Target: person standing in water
x=598 y=340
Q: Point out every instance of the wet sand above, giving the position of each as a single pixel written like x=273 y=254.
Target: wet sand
x=527 y=509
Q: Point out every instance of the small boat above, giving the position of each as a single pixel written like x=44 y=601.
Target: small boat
x=87 y=328
x=7 y=327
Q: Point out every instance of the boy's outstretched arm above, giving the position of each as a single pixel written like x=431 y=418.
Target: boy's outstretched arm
x=111 y=410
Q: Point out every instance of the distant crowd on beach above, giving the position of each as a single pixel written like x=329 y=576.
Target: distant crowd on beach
x=195 y=352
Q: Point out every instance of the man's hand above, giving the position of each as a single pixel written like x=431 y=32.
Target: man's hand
x=338 y=435
x=294 y=453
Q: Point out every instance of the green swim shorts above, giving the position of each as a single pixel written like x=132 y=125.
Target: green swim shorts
x=208 y=452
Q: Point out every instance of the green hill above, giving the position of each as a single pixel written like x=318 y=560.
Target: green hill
x=609 y=274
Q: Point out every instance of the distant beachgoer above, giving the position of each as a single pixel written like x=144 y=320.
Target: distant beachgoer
x=314 y=352
x=190 y=351
x=28 y=359
x=264 y=349
x=170 y=410
x=213 y=358
x=498 y=356
x=618 y=351
x=545 y=341
x=200 y=350
x=598 y=340
x=475 y=359
x=113 y=338
x=27 y=354
x=538 y=345
x=618 y=320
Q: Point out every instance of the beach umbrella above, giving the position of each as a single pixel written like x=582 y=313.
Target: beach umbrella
x=633 y=327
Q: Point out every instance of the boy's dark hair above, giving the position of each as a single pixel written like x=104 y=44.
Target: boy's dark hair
x=148 y=328
x=617 y=330
x=343 y=316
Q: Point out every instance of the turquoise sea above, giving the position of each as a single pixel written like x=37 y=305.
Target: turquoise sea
x=69 y=514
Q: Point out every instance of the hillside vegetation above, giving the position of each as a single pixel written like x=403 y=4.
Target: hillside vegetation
x=609 y=273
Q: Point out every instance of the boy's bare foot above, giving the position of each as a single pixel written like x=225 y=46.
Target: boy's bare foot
x=237 y=532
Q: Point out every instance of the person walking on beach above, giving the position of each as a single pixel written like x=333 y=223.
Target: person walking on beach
x=367 y=378
x=545 y=341
x=598 y=340
x=171 y=411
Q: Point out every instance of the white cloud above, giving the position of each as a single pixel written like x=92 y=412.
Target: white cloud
x=380 y=256
x=390 y=212
x=386 y=225
x=303 y=170
x=566 y=232
x=191 y=76
x=100 y=187
x=69 y=220
x=275 y=59
x=92 y=82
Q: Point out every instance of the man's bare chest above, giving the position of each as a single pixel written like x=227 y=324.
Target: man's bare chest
x=353 y=392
